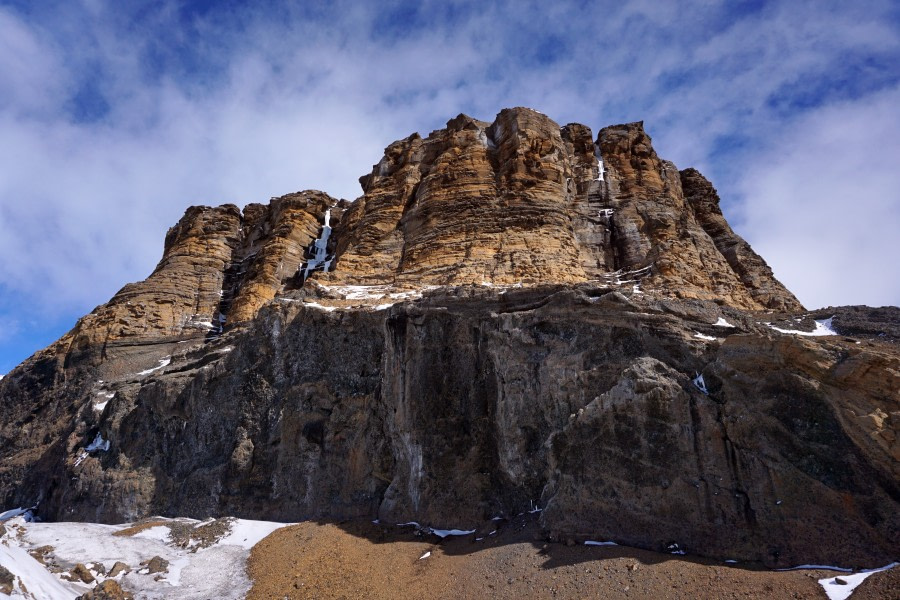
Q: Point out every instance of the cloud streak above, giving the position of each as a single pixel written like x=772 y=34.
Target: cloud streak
x=115 y=120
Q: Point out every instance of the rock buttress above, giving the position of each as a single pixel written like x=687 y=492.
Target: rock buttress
x=750 y=267
x=521 y=200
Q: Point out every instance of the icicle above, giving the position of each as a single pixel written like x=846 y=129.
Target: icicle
x=600 y=165
x=320 y=259
x=701 y=385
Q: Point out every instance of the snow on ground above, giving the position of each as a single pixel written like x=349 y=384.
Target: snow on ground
x=31 y=575
x=442 y=533
x=722 y=323
x=593 y=543
x=217 y=571
x=823 y=327
x=711 y=338
x=840 y=591
x=246 y=533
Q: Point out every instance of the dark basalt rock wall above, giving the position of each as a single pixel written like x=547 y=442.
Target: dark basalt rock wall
x=474 y=402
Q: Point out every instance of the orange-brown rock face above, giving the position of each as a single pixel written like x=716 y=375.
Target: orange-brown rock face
x=681 y=241
x=521 y=200
x=473 y=202
x=219 y=266
x=751 y=269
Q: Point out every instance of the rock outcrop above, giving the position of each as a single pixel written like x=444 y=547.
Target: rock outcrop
x=509 y=322
x=521 y=200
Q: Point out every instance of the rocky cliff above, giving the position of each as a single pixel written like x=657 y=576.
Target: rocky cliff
x=513 y=315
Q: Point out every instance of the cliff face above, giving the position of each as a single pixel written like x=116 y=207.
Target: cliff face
x=506 y=326
x=521 y=200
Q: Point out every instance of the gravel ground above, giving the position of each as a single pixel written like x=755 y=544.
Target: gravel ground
x=365 y=560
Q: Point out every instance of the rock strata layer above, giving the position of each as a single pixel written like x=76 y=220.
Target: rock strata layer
x=518 y=316
x=521 y=200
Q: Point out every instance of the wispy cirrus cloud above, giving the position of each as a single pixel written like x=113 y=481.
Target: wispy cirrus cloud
x=116 y=117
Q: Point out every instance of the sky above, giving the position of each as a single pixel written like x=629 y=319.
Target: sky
x=117 y=116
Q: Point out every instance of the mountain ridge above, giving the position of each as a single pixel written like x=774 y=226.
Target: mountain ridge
x=516 y=313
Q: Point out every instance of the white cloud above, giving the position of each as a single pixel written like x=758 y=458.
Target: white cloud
x=822 y=205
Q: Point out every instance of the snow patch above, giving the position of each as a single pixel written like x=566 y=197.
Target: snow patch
x=163 y=362
x=711 y=338
x=426 y=555
x=246 y=533
x=823 y=327
x=593 y=543
x=722 y=323
x=25 y=513
x=816 y=568
x=841 y=591
x=31 y=575
x=218 y=571
x=320 y=306
x=442 y=533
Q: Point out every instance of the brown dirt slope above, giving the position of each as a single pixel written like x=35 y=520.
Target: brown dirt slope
x=363 y=560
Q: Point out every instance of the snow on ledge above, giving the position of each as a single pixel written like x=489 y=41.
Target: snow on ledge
x=710 y=338
x=823 y=327
x=722 y=323
x=163 y=362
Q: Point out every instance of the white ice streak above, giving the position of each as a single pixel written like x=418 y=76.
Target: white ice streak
x=98 y=444
x=711 y=338
x=320 y=306
x=841 y=591
x=25 y=513
x=700 y=384
x=622 y=276
x=593 y=543
x=163 y=362
x=159 y=532
x=320 y=258
x=600 y=166
x=823 y=327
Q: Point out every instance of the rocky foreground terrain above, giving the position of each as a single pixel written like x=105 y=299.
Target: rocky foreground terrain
x=514 y=316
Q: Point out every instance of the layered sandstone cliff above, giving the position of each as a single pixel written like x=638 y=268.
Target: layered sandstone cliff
x=515 y=314
x=521 y=200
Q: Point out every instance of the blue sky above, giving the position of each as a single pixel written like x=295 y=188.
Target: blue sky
x=117 y=116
